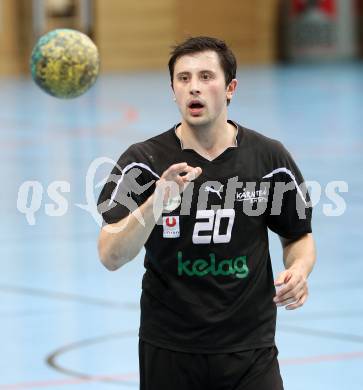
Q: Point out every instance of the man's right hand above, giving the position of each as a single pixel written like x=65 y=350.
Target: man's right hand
x=173 y=183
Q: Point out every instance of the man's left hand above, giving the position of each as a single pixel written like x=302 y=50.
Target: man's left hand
x=292 y=289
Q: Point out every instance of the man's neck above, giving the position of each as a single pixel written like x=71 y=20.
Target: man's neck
x=209 y=141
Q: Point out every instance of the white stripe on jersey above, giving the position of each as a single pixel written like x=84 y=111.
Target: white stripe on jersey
x=285 y=170
x=127 y=168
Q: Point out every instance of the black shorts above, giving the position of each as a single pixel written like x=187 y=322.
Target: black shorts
x=163 y=369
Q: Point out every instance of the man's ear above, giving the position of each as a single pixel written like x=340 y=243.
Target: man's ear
x=231 y=88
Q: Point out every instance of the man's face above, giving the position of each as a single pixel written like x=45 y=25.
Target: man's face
x=200 y=88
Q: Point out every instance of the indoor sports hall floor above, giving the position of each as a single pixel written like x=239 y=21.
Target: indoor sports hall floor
x=67 y=322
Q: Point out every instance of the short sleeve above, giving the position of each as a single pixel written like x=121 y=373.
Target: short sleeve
x=290 y=210
x=129 y=184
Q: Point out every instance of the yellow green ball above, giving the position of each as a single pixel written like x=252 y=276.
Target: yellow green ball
x=65 y=63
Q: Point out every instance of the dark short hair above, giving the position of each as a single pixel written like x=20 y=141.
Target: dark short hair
x=198 y=44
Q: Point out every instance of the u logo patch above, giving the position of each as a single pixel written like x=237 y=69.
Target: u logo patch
x=171 y=227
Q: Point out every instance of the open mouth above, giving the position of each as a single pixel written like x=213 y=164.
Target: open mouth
x=195 y=107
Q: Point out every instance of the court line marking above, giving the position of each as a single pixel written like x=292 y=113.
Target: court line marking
x=321 y=358
x=131 y=375
x=70 y=381
x=320 y=333
x=61 y=296
x=51 y=358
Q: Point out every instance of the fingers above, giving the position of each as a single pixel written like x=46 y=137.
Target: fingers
x=192 y=174
x=293 y=292
x=299 y=303
x=174 y=170
x=283 y=278
x=171 y=184
x=292 y=298
x=290 y=290
x=173 y=173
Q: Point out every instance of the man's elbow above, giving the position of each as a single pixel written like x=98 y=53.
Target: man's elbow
x=109 y=264
x=110 y=260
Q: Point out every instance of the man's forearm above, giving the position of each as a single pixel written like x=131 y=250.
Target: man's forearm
x=122 y=241
x=300 y=254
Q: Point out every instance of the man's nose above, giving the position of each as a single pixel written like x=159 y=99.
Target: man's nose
x=194 y=86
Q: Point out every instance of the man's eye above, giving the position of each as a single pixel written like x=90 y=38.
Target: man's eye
x=183 y=78
x=205 y=76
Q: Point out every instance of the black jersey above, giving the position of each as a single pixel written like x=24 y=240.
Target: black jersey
x=208 y=285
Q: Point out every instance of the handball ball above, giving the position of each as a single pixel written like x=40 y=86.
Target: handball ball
x=64 y=63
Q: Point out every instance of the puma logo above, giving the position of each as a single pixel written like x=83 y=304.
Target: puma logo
x=211 y=189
